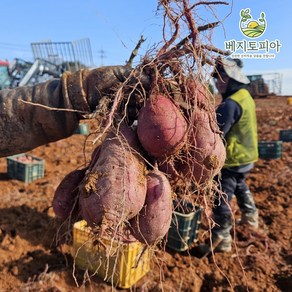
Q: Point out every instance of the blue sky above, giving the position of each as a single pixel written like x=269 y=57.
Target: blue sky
x=115 y=27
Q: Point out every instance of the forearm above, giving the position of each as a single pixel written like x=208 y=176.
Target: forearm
x=50 y=111
x=28 y=116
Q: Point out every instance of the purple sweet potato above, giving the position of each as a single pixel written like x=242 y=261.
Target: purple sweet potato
x=65 y=201
x=130 y=136
x=153 y=221
x=161 y=126
x=114 y=189
x=94 y=157
x=207 y=153
x=196 y=93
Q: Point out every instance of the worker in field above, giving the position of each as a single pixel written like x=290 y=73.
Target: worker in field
x=236 y=117
x=31 y=116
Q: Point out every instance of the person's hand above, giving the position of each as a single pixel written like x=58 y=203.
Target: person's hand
x=93 y=85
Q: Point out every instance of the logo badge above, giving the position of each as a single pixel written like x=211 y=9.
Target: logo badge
x=249 y=47
x=250 y=27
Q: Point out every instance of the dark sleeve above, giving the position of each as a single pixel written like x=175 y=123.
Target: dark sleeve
x=228 y=113
x=29 y=117
x=50 y=111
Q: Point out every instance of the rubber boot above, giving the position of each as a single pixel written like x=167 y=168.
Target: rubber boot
x=221 y=233
x=221 y=239
x=249 y=211
x=222 y=243
x=251 y=219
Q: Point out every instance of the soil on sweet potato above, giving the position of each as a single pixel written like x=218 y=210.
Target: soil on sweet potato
x=35 y=247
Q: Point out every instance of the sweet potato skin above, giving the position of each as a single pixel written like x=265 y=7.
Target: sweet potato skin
x=153 y=221
x=207 y=149
x=65 y=201
x=115 y=188
x=196 y=92
x=203 y=155
x=161 y=127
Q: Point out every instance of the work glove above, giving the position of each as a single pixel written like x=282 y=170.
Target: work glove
x=85 y=88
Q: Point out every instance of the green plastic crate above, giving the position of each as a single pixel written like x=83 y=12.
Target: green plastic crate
x=184 y=227
x=270 y=149
x=25 y=167
x=82 y=129
x=286 y=135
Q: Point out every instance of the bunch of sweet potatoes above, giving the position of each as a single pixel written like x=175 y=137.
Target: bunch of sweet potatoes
x=117 y=192
x=129 y=183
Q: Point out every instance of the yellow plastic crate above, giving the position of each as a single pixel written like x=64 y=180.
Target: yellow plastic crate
x=121 y=264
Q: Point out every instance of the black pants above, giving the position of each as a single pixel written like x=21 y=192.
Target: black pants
x=232 y=183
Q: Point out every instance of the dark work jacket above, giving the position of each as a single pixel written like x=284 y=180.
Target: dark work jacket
x=228 y=113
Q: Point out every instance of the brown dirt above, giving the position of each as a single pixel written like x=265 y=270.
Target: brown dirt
x=31 y=260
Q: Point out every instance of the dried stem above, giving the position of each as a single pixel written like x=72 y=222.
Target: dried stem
x=135 y=51
x=208 y=26
x=209 y=3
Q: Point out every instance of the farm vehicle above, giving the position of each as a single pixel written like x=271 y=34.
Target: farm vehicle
x=51 y=59
x=264 y=85
x=21 y=73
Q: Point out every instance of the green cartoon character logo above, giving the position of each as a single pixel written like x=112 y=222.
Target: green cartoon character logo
x=250 y=27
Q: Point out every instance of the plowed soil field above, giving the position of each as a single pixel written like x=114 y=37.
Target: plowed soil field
x=35 y=249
